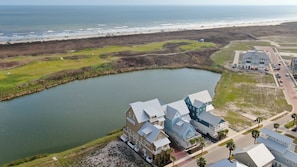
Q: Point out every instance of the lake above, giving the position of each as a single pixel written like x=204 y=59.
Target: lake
x=78 y=112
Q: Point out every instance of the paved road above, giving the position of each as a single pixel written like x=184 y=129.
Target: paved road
x=216 y=153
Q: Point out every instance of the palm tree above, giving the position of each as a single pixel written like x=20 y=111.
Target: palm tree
x=276 y=126
x=201 y=162
x=259 y=120
x=202 y=144
x=222 y=134
x=294 y=116
x=173 y=158
x=231 y=146
x=255 y=134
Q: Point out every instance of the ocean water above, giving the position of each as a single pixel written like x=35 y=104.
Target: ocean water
x=42 y=22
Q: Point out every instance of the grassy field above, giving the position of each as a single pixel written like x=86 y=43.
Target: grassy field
x=240 y=93
x=32 y=68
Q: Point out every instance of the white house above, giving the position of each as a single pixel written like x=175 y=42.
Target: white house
x=281 y=146
x=254 y=156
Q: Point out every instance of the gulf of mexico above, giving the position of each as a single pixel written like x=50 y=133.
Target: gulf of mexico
x=29 y=22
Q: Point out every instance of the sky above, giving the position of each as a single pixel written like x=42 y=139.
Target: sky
x=148 y=2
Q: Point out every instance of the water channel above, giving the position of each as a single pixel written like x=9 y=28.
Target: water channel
x=75 y=113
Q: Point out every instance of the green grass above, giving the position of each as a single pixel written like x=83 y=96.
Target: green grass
x=250 y=131
x=224 y=143
x=290 y=124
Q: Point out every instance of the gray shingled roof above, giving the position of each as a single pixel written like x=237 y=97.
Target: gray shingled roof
x=210 y=118
x=143 y=110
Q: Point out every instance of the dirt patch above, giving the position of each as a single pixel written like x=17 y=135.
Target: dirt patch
x=12 y=64
x=115 y=153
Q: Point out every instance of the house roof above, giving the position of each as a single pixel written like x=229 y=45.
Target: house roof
x=161 y=142
x=255 y=53
x=200 y=98
x=272 y=145
x=209 y=107
x=176 y=107
x=227 y=163
x=180 y=106
x=149 y=131
x=210 y=118
x=257 y=153
x=292 y=156
x=144 y=110
x=277 y=136
x=181 y=127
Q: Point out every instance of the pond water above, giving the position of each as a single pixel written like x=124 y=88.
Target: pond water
x=75 y=113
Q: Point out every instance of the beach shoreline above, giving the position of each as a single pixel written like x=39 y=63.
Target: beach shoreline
x=170 y=28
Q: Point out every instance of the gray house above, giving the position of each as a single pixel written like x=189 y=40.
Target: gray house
x=255 y=60
x=282 y=147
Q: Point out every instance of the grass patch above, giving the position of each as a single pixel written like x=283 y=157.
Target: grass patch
x=224 y=143
x=200 y=155
x=250 y=131
x=289 y=124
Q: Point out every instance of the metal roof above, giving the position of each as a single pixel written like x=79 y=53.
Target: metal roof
x=143 y=110
x=149 y=131
x=203 y=97
x=257 y=153
x=227 y=163
x=172 y=109
x=272 y=145
x=292 y=156
x=277 y=136
x=179 y=106
x=161 y=142
x=210 y=118
x=256 y=54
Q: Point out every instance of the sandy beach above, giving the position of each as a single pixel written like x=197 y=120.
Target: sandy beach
x=165 y=28
x=219 y=34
